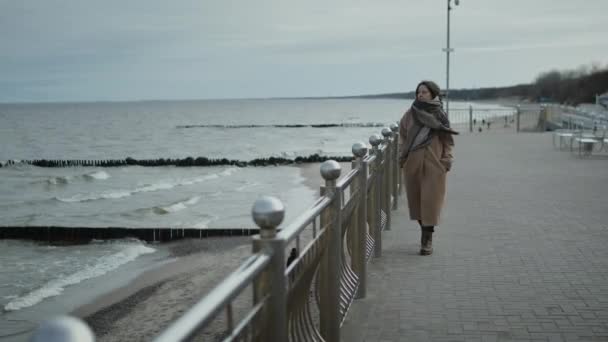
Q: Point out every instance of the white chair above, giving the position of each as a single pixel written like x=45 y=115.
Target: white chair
x=562 y=139
x=586 y=143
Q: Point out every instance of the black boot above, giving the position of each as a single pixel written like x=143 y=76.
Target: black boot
x=426 y=241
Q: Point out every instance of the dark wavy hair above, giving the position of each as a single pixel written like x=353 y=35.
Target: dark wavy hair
x=431 y=86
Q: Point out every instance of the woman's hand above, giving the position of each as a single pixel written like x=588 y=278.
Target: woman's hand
x=447 y=163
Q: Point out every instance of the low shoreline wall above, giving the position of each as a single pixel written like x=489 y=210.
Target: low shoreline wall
x=77 y=235
x=186 y=162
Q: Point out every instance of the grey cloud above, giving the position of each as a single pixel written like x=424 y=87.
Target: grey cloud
x=78 y=50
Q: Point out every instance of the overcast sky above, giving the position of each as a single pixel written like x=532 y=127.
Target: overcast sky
x=81 y=50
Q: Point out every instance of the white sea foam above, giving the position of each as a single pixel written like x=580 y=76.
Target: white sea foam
x=165 y=185
x=61 y=180
x=177 y=206
x=200 y=179
x=246 y=186
x=203 y=224
x=288 y=154
x=94 y=197
x=229 y=171
x=56 y=286
x=193 y=200
x=171 y=208
x=99 y=175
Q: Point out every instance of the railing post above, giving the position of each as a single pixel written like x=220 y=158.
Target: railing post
x=401 y=188
x=518 y=117
x=395 y=165
x=375 y=141
x=330 y=265
x=470 y=118
x=360 y=237
x=371 y=196
x=268 y=213
x=63 y=329
x=544 y=116
x=388 y=175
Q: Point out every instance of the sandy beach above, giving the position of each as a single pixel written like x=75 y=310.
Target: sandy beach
x=150 y=303
x=142 y=309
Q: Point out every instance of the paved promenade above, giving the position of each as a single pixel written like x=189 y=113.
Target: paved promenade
x=521 y=255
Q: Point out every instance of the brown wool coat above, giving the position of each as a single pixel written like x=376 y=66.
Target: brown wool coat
x=425 y=175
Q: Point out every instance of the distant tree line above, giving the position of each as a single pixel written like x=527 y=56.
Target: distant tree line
x=567 y=87
x=570 y=87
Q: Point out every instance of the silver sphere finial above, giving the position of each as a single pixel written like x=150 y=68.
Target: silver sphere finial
x=63 y=329
x=394 y=128
x=330 y=170
x=268 y=212
x=375 y=140
x=359 y=149
x=386 y=132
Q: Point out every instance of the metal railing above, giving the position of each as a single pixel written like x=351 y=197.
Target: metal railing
x=572 y=119
x=516 y=118
x=306 y=296
x=473 y=118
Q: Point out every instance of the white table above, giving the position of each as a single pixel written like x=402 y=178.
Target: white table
x=586 y=145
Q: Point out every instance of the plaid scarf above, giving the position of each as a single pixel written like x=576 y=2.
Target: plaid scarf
x=428 y=118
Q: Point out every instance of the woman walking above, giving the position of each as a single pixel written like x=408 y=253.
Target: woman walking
x=426 y=156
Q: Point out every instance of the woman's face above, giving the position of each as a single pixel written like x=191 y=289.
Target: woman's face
x=423 y=93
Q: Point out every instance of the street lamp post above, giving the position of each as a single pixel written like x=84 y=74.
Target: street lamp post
x=447 y=52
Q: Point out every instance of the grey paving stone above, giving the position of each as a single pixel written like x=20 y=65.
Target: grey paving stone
x=520 y=253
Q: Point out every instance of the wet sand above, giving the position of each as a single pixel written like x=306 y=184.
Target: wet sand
x=140 y=310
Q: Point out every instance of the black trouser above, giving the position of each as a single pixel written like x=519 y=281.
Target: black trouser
x=426 y=228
